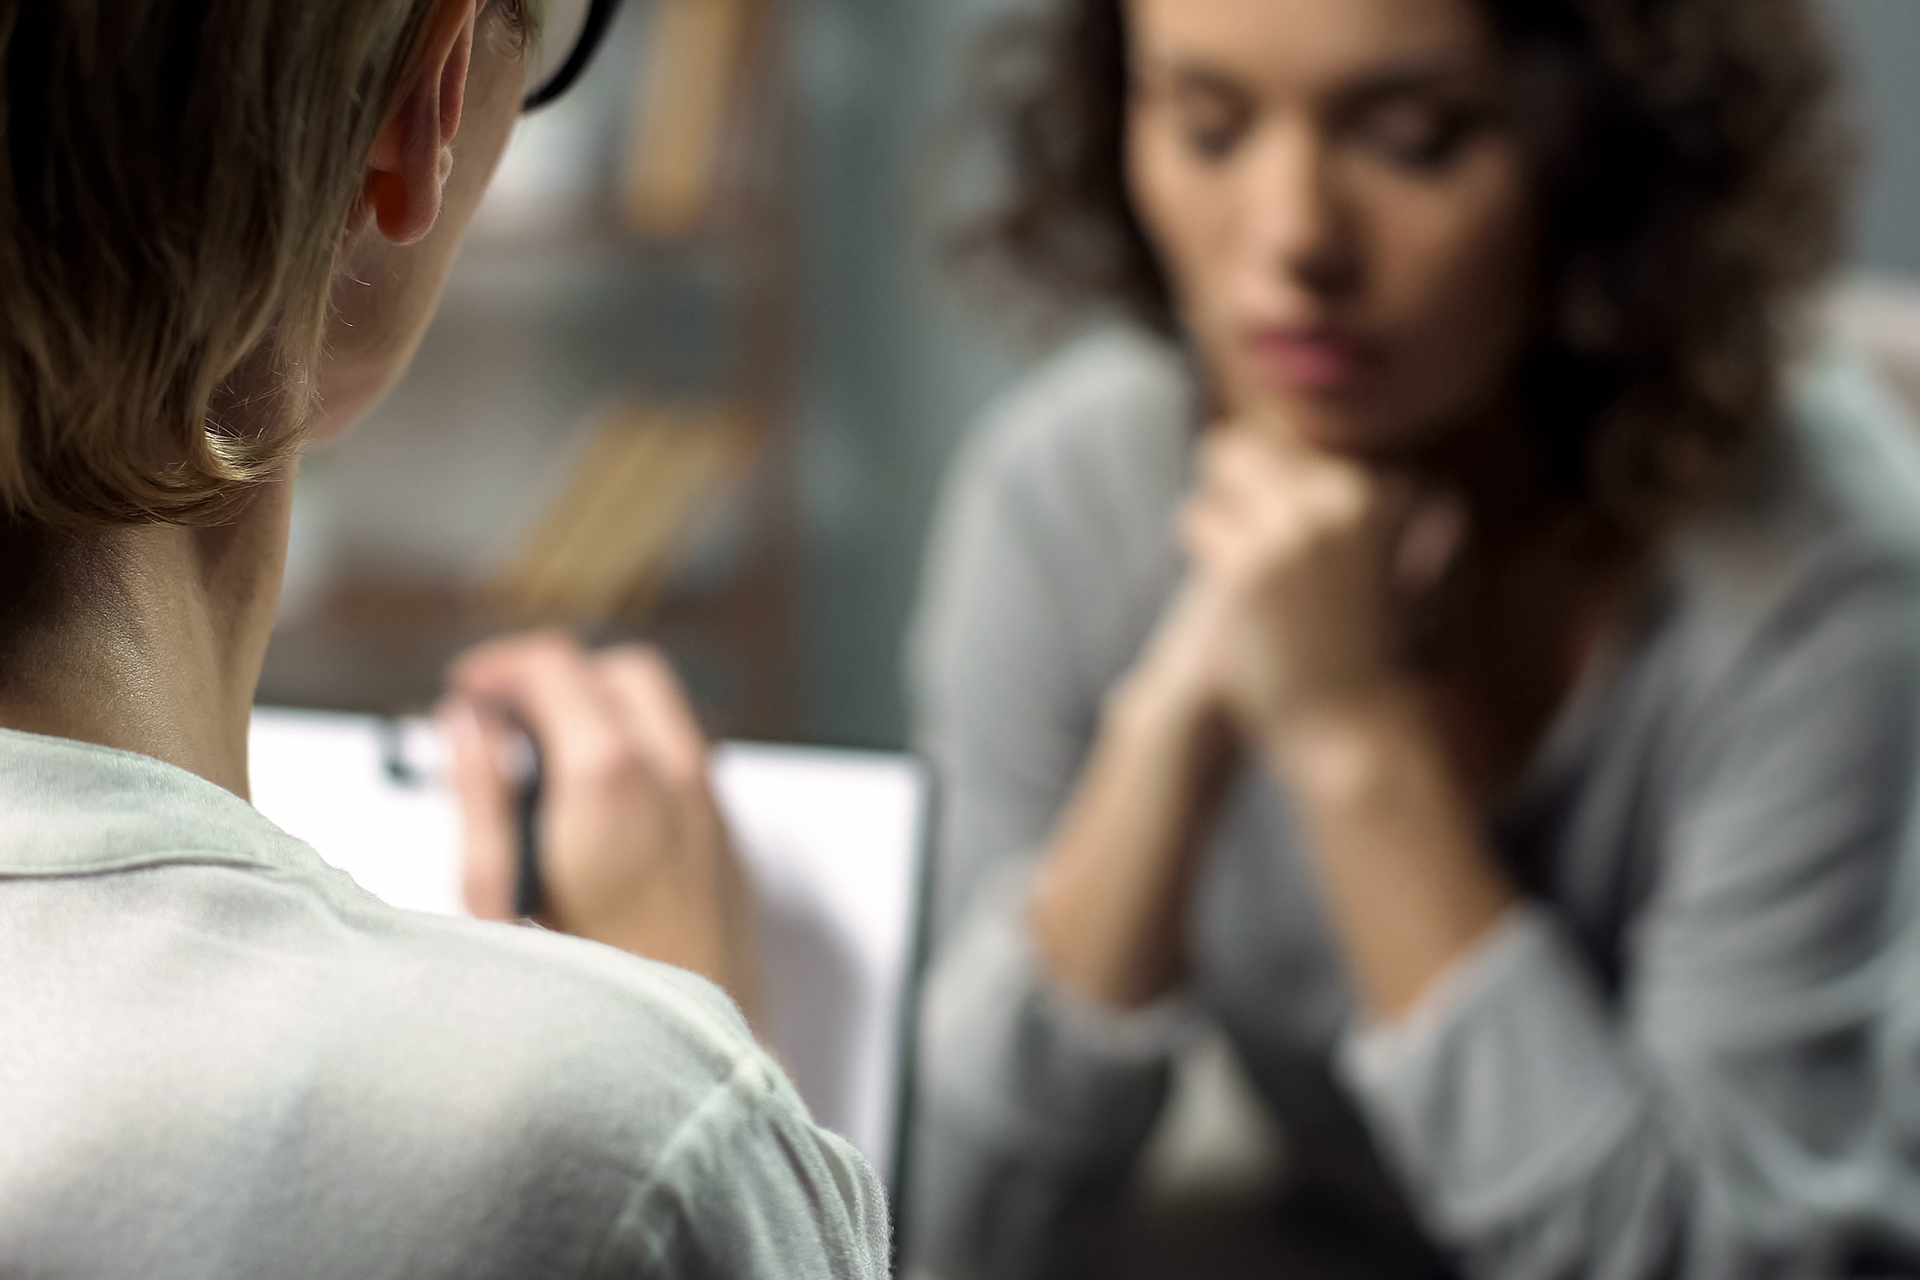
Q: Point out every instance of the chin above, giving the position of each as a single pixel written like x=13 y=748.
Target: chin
x=1349 y=431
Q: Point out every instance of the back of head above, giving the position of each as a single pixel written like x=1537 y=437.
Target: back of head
x=178 y=179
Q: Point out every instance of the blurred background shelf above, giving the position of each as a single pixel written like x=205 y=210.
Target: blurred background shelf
x=596 y=431
x=383 y=647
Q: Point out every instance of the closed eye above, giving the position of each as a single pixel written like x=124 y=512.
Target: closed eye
x=1416 y=134
x=1211 y=112
x=1212 y=126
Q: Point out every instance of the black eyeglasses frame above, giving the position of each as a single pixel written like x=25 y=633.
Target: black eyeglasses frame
x=599 y=18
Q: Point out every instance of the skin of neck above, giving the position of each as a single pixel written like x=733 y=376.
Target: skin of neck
x=147 y=639
x=151 y=638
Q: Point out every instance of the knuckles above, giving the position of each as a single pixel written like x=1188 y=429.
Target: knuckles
x=1347 y=500
x=638 y=661
x=500 y=661
x=604 y=763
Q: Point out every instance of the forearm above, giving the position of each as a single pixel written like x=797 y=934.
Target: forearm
x=1110 y=900
x=697 y=915
x=1542 y=1137
x=1409 y=882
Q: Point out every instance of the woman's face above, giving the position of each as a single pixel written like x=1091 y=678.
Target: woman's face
x=1344 y=221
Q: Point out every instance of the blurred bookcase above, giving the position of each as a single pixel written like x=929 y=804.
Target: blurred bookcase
x=596 y=433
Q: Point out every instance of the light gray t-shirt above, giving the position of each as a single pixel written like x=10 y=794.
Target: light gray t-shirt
x=1674 y=1060
x=220 y=1058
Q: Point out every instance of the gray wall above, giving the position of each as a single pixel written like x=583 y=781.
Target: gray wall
x=1882 y=41
x=900 y=362
x=898 y=365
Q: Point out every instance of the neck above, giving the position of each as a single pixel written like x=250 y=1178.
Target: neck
x=1496 y=470
x=146 y=639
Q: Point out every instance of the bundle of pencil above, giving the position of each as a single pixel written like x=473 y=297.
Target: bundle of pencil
x=680 y=113
x=633 y=498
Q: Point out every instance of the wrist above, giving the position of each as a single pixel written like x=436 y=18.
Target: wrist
x=1149 y=704
x=1343 y=750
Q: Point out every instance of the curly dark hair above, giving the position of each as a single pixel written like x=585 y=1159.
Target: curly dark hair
x=1689 y=161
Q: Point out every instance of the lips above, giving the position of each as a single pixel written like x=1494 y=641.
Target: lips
x=1311 y=360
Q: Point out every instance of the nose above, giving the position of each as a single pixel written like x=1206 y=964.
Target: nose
x=1297 y=225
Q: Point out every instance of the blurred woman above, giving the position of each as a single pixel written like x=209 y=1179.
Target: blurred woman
x=224 y=225
x=1427 y=642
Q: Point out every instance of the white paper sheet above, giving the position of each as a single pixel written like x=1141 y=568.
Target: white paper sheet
x=831 y=840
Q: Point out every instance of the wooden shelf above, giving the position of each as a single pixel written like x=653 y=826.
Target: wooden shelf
x=382 y=647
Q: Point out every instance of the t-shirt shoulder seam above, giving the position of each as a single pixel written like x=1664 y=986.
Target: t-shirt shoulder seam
x=727 y=1103
x=144 y=860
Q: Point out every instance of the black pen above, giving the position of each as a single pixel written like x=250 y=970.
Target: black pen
x=528 y=773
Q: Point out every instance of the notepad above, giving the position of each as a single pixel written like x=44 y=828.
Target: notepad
x=832 y=841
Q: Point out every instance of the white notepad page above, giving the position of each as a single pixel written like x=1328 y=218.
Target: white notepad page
x=831 y=840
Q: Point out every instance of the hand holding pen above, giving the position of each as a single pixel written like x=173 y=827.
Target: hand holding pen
x=632 y=850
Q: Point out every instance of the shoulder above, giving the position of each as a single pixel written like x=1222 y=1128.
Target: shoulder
x=1861 y=446
x=1111 y=416
x=575 y=1023
x=631 y=1091
x=614 y=1055
x=1810 y=568
x=1055 y=532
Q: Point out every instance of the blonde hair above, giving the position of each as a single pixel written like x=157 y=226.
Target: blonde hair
x=177 y=180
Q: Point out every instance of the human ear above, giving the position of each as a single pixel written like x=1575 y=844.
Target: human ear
x=413 y=152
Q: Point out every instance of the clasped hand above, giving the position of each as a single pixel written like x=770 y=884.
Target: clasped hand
x=1302 y=566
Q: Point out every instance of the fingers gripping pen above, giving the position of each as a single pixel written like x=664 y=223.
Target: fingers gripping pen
x=520 y=763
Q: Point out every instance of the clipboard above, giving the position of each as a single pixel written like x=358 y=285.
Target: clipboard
x=835 y=843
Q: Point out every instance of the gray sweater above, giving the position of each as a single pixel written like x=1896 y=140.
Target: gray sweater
x=1671 y=1061
x=219 y=1058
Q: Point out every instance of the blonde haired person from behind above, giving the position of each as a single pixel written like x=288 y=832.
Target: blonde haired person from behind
x=224 y=225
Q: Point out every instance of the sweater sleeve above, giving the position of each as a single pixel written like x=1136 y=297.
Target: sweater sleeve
x=1717 y=1115
x=1026 y=1096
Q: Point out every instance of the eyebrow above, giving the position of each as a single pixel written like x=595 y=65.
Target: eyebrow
x=1421 y=75
x=1191 y=74
x=1383 y=81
